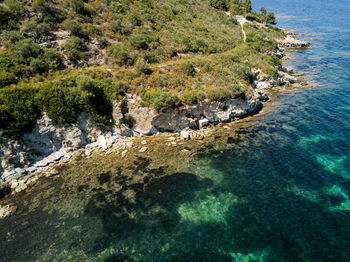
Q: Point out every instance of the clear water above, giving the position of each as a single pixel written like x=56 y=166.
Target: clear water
x=279 y=191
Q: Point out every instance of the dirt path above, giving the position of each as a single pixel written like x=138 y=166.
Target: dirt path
x=241 y=20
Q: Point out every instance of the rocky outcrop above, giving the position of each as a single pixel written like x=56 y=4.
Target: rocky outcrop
x=49 y=143
x=292 y=42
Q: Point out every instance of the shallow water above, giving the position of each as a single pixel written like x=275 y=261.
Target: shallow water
x=273 y=188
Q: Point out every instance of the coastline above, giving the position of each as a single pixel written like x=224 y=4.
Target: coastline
x=19 y=179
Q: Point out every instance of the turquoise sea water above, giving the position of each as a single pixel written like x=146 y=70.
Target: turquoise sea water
x=278 y=192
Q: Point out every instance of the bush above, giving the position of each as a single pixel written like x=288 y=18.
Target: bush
x=38 y=65
x=6 y=78
x=94 y=99
x=85 y=87
x=19 y=111
x=160 y=100
x=25 y=49
x=119 y=7
x=142 y=66
x=119 y=27
x=49 y=14
x=134 y=19
x=10 y=12
x=74 y=27
x=116 y=26
x=58 y=103
x=143 y=40
x=217 y=93
x=78 y=6
x=188 y=68
x=53 y=59
x=11 y=37
x=34 y=30
x=5 y=62
x=219 y=4
x=112 y=90
x=120 y=54
x=139 y=41
x=253 y=17
x=75 y=49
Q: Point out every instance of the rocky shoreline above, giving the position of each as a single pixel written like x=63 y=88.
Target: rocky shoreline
x=23 y=162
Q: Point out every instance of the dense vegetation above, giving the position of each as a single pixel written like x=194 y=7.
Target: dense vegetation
x=170 y=52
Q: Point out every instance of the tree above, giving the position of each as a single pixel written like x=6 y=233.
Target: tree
x=247 y=6
x=270 y=18
x=236 y=7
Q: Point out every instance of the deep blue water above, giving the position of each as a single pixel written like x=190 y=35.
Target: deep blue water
x=278 y=192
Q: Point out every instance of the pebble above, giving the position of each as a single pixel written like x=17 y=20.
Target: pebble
x=129 y=144
x=124 y=153
x=143 y=149
x=144 y=142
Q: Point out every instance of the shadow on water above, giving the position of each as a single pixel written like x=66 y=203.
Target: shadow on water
x=150 y=204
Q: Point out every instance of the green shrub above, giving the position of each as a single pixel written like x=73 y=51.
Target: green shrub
x=116 y=26
x=5 y=62
x=142 y=66
x=34 y=30
x=150 y=57
x=49 y=14
x=188 y=68
x=19 y=111
x=92 y=30
x=58 y=103
x=134 y=19
x=139 y=41
x=195 y=45
x=38 y=65
x=53 y=59
x=217 y=93
x=11 y=37
x=94 y=99
x=120 y=54
x=6 y=78
x=75 y=49
x=244 y=72
x=119 y=7
x=112 y=90
x=253 y=17
x=260 y=42
x=74 y=27
x=10 y=12
x=119 y=27
x=85 y=87
x=25 y=49
x=143 y=40
x=219 y=4
x=78 y=6
x=160 y=100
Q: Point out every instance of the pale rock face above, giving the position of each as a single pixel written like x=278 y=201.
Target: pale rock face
x=142 y=117
x=291 y=42
x=203 y=122
x=186 y=134
x=5 y=211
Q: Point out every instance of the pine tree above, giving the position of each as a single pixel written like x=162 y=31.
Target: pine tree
x=247 y=6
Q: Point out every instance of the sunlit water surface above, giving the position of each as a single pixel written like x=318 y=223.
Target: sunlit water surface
x=280 y=192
